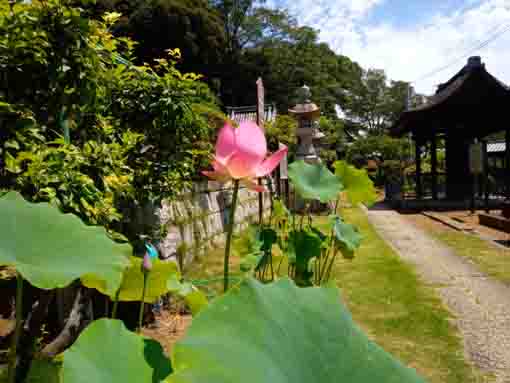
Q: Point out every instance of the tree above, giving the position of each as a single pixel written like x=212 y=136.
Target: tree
x=375 y=102
x=193 y=26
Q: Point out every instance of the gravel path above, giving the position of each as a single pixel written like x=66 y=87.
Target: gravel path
x=480 y=304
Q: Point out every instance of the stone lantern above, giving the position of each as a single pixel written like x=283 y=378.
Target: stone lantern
x=307 y=114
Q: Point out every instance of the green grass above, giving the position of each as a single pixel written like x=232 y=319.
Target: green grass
x=491 y=259
x=401 y=313
x=390 y=303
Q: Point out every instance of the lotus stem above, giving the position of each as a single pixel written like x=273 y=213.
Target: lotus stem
x=11 y=373
x=230 y=232
x=142 y=303
x=328 y=272
x=115 y=304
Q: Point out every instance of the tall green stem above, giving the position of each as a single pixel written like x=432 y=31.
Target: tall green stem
x=230 y=231
x=142 y=304
x=115 y=304
x=11 y=375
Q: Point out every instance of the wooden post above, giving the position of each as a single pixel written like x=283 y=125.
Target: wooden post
x=419 y=189
x=486 y=176
x=507 y=163
x=260 y=103
x=433 y=164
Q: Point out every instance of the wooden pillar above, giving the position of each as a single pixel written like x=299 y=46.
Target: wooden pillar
x=419 y=186
x=507 y=163
x=433 y=164
x=486 y=176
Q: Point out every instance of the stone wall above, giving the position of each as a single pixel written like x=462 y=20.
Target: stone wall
x=196 y=222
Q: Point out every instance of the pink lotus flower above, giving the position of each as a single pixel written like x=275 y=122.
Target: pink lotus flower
x=241 y=155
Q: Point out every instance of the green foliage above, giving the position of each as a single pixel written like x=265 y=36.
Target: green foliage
x=314 y=181
x=374 y=102
x=334 y=130
x=44 y=371
x=256 y=248
x=254 y=335
x=163 y=277
x=303 y=245
x=346 y=237
x=359 y=188
x=124 y=357
x=51 y=249
x=86 y=130
x=377 y=148
x=193 y=26
x=283 y=130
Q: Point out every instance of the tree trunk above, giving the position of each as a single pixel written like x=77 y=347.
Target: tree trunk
x=80 y=316
x=31 y=331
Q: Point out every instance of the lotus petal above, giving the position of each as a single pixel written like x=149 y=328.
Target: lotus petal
x=251 y=184
x=226 y=143
x=243 y=165
x=250 y=139
x=271 y=162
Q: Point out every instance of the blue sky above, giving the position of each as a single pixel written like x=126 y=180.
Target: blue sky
x=411 y=38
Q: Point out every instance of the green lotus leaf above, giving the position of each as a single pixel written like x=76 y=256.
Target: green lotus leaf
x=314 y=181
x=196 y=300
x=255 y=247
x=51 y=249
x=280 y=213
x=303 y=245
x=44 y=371
x=157 y=283
x=280 y=333
x=106 y=352
x=347 y=236
x=358 y=185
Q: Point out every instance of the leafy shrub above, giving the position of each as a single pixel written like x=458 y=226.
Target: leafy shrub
x=83 y=128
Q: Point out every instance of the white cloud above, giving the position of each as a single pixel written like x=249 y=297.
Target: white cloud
x=410 y=52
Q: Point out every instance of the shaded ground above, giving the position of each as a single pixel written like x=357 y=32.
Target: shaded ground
x=478 y=246
x=170 y=327
x=481 y=305
x=472 y=220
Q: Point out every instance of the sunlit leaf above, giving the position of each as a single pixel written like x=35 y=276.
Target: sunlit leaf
x=280 y=333
x=314 y=181
x=51 y=249
x=106 y=352
x=132 y=281
x=358 y=186
x=347 y=236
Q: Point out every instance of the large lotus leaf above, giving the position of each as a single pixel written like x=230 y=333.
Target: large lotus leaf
x=358 y=186
x=51 y=249
x=314 y=181
x=162 y=275
x=106 y=352
x=280 y=333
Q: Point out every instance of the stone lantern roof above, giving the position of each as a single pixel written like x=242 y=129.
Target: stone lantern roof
x=305 y=109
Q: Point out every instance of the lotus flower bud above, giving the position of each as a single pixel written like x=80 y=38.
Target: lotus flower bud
x=146 y=263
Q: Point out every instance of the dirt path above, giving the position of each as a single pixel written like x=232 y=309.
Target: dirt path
x=481 y=305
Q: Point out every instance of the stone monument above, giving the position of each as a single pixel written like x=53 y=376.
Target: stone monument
x=307 y=115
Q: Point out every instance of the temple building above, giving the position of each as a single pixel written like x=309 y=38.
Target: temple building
x=470 y=107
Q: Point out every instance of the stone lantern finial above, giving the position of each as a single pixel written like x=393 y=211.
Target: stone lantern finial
x=304 y=94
